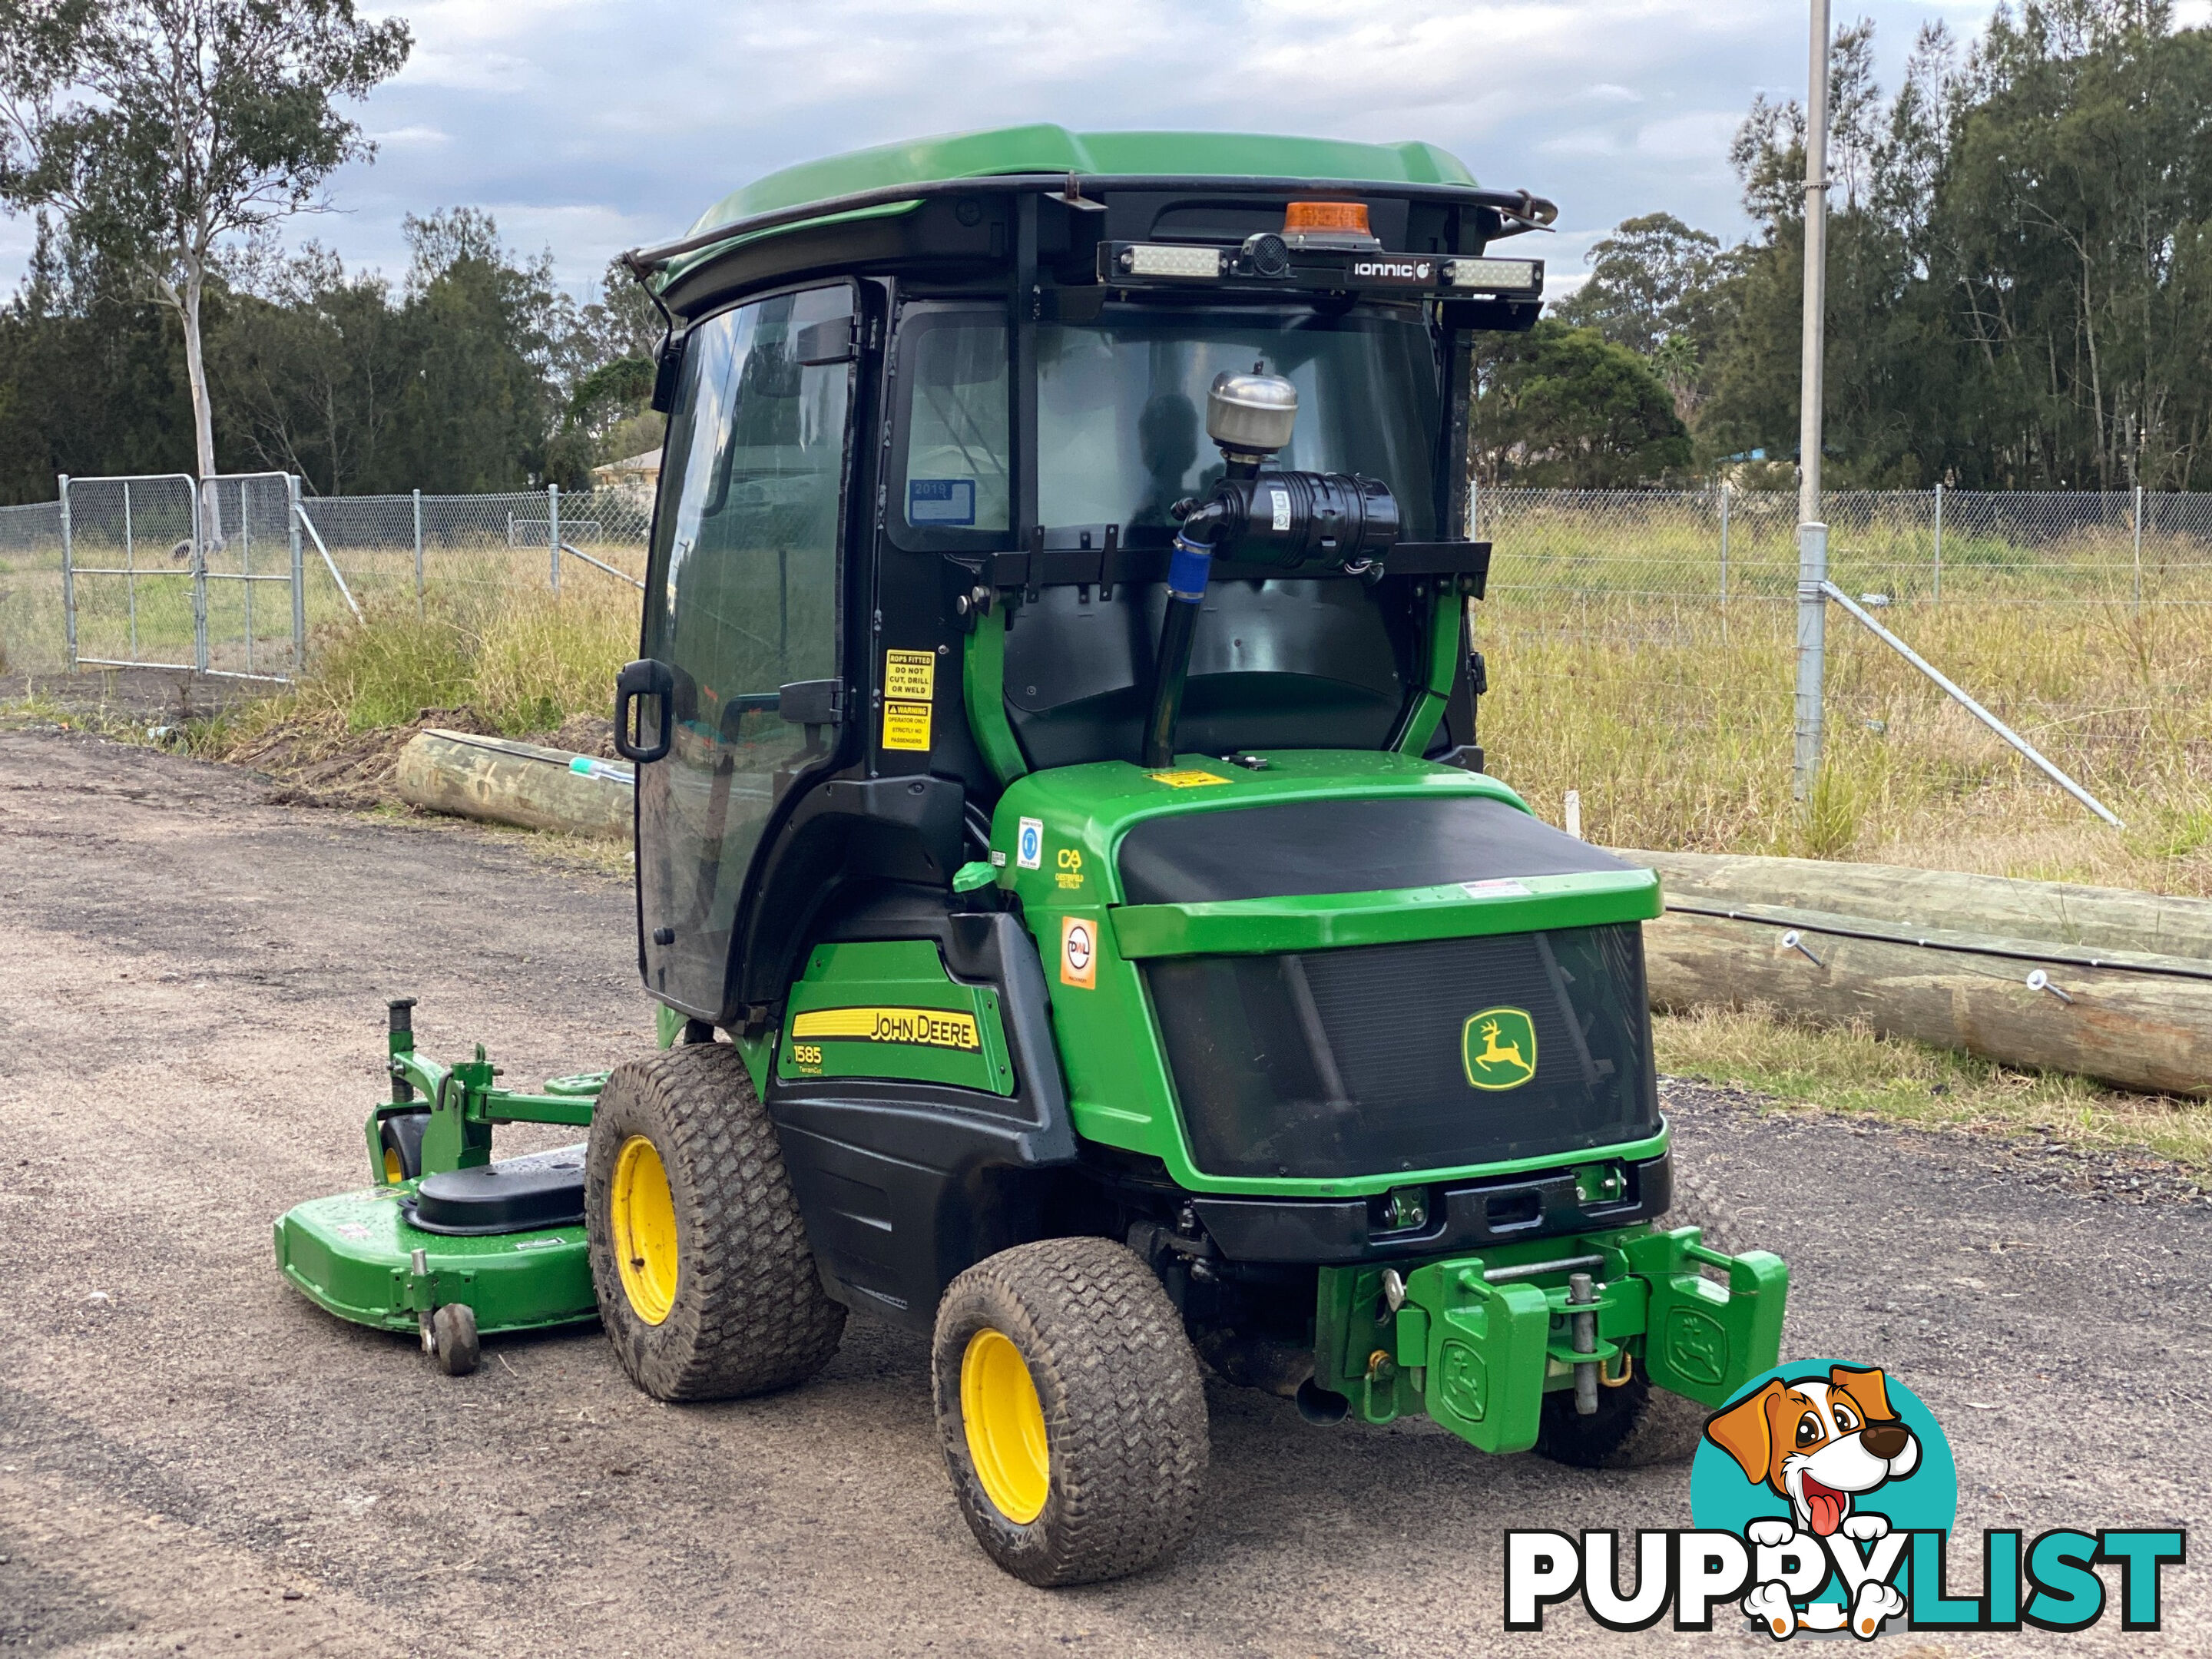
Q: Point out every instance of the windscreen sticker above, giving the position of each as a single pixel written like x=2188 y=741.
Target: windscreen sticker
x=906 y=725
x=943 y=502
x=933 y=1028
x=1078 y=953
x=911 y=675
x=1185 y=780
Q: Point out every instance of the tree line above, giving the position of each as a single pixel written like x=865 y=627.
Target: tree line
x=2020 y=281
x=159 y=144
x=472 y=373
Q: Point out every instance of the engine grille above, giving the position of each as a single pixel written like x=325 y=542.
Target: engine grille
x=1373 y=1060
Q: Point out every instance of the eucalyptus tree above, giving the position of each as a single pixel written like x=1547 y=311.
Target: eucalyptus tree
x=167 y=132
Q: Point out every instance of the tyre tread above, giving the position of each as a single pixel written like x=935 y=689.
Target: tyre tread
x=1125 y=1408
x=751 y=1316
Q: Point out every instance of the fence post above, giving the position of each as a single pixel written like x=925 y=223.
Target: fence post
x=131 y=566
x=1938 y=542
x=69 y=576
x=299 y=575
x=1727 y=491
x=553 y=530
x=2139 y=512
x=207 y=507
x=418 y=556
x=1812 y=653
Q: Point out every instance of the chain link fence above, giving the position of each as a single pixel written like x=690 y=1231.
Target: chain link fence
x=1640 y=643
x=127 y=587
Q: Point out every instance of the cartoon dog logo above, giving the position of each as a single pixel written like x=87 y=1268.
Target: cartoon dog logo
x=1821 y=1444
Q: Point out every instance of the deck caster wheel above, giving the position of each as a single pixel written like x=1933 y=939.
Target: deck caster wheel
x=453 y=1339
x=1073 y=1418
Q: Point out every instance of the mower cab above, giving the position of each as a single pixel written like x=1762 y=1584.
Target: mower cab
x=1062 y=830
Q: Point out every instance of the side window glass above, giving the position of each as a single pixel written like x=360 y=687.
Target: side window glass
x=743 y=601
x=955 y=369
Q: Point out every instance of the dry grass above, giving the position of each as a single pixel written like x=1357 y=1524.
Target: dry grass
x=1850 y=1070
x=525 y=664
x=1676 y=728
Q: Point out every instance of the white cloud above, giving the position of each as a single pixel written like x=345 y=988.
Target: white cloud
x=589 y=124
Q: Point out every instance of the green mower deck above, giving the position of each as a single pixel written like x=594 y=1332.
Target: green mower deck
x=353 y=1255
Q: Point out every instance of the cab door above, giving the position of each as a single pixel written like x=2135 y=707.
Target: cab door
x=742 y=641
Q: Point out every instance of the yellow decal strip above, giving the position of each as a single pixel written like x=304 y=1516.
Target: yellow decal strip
x=935 y=1028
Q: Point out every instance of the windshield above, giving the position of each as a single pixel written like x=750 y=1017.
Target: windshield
x=1121 y=408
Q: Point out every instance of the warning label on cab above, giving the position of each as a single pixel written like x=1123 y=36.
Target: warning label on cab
x=911 y=675
x=906 y=725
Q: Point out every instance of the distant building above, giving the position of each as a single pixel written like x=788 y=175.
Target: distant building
x=641 y=473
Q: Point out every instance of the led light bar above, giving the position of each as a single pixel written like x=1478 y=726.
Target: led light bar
x=1165 y=260
x=1497 y=275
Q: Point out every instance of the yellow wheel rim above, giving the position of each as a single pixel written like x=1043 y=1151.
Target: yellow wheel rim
x=642 y=1214
x=1005 y=1426
x=394 y=1171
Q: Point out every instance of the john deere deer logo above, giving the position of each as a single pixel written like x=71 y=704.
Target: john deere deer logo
x=1499 y=1045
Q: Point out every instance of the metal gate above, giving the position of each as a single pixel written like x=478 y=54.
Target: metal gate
x=163 y=571
x=131 y=571
x=253 y=621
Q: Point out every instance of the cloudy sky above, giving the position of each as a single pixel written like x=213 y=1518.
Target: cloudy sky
x=591 y=125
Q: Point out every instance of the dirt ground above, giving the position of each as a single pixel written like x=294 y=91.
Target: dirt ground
x=192 y=1459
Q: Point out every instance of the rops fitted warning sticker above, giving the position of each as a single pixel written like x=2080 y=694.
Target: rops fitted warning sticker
x=911 y=675
x=1078 y=953
x=1029 y=843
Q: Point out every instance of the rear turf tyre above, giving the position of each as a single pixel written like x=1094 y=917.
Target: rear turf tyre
x=1071 y=1410
x=1636 y=1425
x=705 y=1283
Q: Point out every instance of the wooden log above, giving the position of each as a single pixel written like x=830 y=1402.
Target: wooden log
x=503 y=781
x=2060 y=913
x=2132 y=1029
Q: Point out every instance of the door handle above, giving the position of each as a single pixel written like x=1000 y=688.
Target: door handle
x=648 y=678
x=812 y=703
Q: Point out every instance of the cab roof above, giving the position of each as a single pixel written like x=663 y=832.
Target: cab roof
x=1044 y=148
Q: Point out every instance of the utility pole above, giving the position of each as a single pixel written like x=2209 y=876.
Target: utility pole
x=1812 y=530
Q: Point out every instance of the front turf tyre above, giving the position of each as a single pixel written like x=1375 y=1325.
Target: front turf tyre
x=1073 y=1418
x=699 y=1258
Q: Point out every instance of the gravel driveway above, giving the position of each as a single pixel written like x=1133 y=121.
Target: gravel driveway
x=193 y=1459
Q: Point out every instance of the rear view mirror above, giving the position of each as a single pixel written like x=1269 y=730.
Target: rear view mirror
x=829 y=341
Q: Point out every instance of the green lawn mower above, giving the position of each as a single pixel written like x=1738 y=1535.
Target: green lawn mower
x=1085 y=930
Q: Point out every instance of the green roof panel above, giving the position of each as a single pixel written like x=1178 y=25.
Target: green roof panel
x=1044 y=148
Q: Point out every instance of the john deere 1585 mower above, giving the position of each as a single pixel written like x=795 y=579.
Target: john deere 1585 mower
x=1085 y=929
